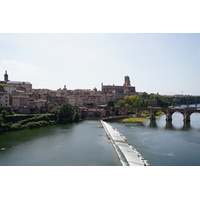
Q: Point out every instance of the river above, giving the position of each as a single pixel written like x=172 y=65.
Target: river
x=85 y=143
x=164 y=143
x=78 y=144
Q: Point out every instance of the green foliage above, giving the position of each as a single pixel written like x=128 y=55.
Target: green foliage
x=3 y=84
x=36 y=124
x=132 y=101
x=67 y=114
x=16 y=126
x=162 y=101
x=1 y=120
x=130 y=112
x=120 y=103
x=20 y=117
x=145 y=95
x=75 y=116
x=110 y=103
x=158 y=113
x=16 y=122
x=54 y=111
x=145 y=114
x=35 y=119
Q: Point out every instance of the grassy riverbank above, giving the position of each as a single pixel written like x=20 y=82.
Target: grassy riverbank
x=131 y=120
x=13 y=122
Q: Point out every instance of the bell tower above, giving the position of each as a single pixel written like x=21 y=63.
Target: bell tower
x=127 y=81
x=6 y=77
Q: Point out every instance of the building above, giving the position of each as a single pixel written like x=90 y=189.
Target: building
x=4 y=100
x=152 y=103
x=20 y=101
x=19 y=85
x=15 y=85
x=125 y=89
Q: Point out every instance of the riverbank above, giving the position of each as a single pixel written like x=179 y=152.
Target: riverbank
x=63 y=115
x=19 y=122
x=132 y=120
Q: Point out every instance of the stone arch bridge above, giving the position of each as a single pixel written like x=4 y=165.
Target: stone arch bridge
x=123 y=111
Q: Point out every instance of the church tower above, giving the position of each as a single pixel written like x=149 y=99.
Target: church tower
x=6 y=77
x=127 y=81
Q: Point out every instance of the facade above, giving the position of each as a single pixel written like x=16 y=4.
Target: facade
x=152 y=103
x=125 y=89
x=20 y=101
x=19 y=85
x=4 y=100
x=15 y=85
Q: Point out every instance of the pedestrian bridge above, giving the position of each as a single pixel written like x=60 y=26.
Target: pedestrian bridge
x=123 y=111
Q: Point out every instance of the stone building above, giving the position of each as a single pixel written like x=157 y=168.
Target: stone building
x=4 y=100
x=15 y=85
x=126 y=88
x=20 y=101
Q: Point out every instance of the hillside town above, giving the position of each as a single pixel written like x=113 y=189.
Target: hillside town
x=20 y=97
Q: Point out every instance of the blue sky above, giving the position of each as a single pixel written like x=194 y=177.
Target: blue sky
x=162 y=62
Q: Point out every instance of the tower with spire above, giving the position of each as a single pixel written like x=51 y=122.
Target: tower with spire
x=6 y=77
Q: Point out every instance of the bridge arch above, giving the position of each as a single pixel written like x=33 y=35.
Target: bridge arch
x=177 y=120
x=159 y=112
x=178 y=113
x=144 y=113
x=132 y=111
x=195 y=119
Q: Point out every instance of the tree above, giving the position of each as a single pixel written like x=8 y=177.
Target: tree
x=67 y=114
x=132 y=101
x=110 y=103
x=120 y=103
x=145 y=95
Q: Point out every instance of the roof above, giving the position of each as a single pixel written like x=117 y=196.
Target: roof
x=21 y=97
x=18 y=82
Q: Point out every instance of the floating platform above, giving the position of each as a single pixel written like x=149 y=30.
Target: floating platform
x=127 y=154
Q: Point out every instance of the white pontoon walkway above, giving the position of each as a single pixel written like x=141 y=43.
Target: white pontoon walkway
x=127 y=155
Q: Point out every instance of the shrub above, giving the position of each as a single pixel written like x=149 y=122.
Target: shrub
x=36 y=124
x=16 y=126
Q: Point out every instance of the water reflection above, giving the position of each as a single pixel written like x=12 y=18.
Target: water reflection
x=169 y=125
x=153 y=124
x=166 y=143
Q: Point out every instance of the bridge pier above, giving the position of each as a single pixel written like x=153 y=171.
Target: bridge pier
x=152 y=116
x=138 y=114
x=168 y=116
x=186 y=117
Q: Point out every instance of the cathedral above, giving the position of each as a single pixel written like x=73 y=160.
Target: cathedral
x=125 y=89
x=15 y=85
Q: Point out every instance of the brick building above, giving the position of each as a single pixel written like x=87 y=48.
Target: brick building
x=126 y=88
